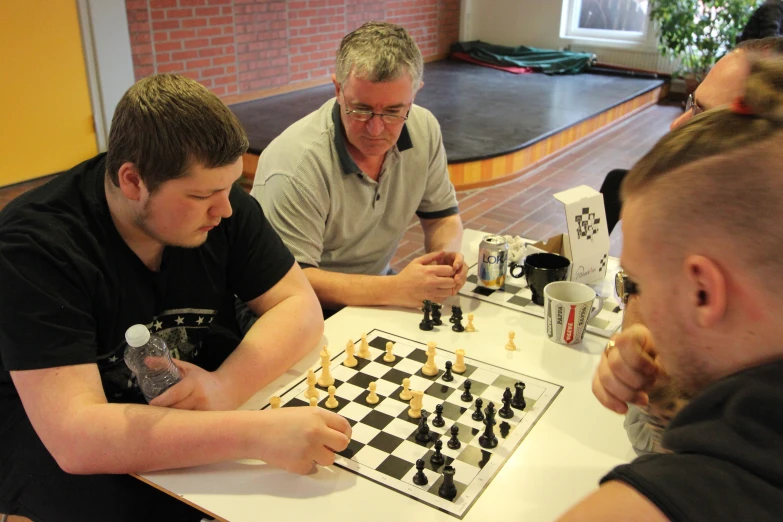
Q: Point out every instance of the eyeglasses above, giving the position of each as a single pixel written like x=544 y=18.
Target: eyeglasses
x=365 y=116
x=691 y=103
x=624 y=288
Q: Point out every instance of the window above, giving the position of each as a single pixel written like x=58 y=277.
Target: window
x=609 y=22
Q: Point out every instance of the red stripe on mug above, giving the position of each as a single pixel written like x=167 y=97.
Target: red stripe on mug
x=569 y=330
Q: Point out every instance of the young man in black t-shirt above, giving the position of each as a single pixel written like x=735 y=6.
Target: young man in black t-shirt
x=153 y=232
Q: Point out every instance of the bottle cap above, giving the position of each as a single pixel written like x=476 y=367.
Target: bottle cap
x=137 y=335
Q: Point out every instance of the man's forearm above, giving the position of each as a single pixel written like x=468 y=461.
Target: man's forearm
x=335 y=289
x=443 y=234
x=277 y=340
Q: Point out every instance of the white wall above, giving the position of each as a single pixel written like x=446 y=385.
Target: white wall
x=536 y=23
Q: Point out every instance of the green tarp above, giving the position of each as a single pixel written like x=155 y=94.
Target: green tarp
x=540 y=60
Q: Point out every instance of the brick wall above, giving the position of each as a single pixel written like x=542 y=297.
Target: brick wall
x=245 y=48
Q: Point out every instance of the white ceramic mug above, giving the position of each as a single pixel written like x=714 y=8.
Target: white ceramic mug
x=568 y=306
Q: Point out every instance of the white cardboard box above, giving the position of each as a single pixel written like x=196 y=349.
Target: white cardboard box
x=587 y=242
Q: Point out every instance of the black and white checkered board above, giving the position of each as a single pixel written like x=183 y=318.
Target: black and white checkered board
x=383 y=447
x=517 y=296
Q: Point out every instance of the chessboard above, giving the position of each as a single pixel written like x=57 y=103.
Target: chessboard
x=384 y=445
x=517 y=296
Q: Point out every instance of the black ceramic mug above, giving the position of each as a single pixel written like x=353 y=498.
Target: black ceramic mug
x=539 y=270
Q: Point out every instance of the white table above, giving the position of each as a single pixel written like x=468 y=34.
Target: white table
x=572 y=446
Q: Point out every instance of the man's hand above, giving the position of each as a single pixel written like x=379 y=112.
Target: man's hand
x=198 y=390
x=457 y=262
x=426 y=277
x=303 y=436
x=628 y=370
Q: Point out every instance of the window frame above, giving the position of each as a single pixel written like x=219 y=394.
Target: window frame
x=570 y=30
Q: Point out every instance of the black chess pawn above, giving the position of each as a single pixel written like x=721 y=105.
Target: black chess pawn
x=488 y=438
x=506 y=412
x=455 y=311
x=454 y=442
x=426 y=323
x=448 y=376
x=420 y=479
x=437 y=458
x=478 y=415
x=438 y=421
x=423 y=433
x=518 y=401
x=466 y=396
x=436 y=314
x=448 y=490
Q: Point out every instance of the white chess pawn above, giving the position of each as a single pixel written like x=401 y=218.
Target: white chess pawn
x=274 y=402
x=312 y=391
x=470 y=327
x=459 y=363
x=416 y=402
x=389 y=357
x=350 y=361
x=405 y=394
x=372 y=398
x=364 y=348
x=430 y=368
x=313 y=402
x=510 y=346
x=331 y=402
x=325 y=379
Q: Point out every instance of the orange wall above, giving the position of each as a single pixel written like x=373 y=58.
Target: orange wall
x=46 y=120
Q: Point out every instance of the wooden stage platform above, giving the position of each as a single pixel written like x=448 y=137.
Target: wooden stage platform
x=495 y=124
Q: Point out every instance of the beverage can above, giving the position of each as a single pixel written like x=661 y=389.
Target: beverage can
x=492 y=262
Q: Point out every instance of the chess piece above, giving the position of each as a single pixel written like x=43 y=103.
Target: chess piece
x=423 y=433
x=325 y=379
x=405 y=394
x=437 y=458
x=457 y=327
x=488 y=439
x=447 y=376
x=456 y=311
x=470 y=327
x=478 y=415
x=518 y=401
x=331 y=402
x=436 y=314
x=466 y=396
x=350 y=361
x=420 y=479
x=510 y=346
x=389 y=357
x=313 y=402
x=429 y=369
x=416 y=401
x=454 y=442
x=274 y=402
x=372 y=398
x=438 y=421
x=506 y=412
x=426 y=323
x=459 y=364
x=364 y=348
x=312 y=391
x=447 y=489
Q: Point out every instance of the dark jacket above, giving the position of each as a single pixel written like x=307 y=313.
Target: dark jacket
x=765 y=21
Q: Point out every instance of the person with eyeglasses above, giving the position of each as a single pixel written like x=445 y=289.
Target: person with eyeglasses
x=648 y=414
x=342 y=184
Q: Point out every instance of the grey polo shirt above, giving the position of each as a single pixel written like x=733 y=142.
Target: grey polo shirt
x=330 y=214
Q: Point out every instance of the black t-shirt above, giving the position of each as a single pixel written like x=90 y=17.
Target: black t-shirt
x=70 y=286
x=727 y=460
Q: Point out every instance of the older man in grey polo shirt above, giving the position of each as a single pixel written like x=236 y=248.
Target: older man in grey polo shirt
x=341 y=185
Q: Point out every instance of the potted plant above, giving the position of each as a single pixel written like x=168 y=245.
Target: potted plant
x=698 y=33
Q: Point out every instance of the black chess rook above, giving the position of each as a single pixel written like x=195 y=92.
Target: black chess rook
x=518 y=402
x=447 y=489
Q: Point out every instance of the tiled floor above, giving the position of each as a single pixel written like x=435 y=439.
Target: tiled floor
x=525 y=206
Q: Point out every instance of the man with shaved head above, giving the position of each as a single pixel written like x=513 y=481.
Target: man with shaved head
x=704 y=247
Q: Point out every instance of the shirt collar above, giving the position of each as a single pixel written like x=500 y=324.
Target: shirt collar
x=346 y=161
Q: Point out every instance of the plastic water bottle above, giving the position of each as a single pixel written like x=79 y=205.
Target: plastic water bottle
x=149 y=359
